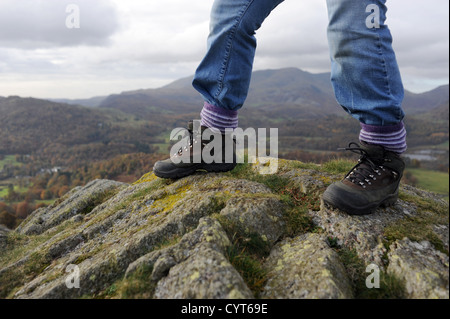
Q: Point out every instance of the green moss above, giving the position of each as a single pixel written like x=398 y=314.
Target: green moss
x=126 y=203
x=420 y=226
x=245 y=171
x=296 y=203
x=36 y=263
x=301 y=165
x=167 y=202
x=338 y=166
x=154 y=185
x=15 y=277
x=96 y=200
x=251 y=242
x=391 y=287
x=149 y=177
x=137 y=286
x=10 y=280
x=246 y=253
x=298 y=222
x=249 y=266
x=168 y=242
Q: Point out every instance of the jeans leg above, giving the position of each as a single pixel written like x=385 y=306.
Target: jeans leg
x=365 y=74
x=223 y=77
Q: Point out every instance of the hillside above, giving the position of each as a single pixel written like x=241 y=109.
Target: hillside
x=61 y=134
x=124 y=134
x=424 y=102
x=289 y=99
x=439 y=113
x=234 y=235
x=294 y=93
x=139 y=121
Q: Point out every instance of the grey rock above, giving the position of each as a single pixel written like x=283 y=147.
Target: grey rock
x=195 y=267
x=110 y=230
x=261 y=215
x=423 y=269
x=442 y=232
x=209 y=231
x=206 y=274
x=306 y=268
x=3 y=236
x=363 y=233
x=75 y=202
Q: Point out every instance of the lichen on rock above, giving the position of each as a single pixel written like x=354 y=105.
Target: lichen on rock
x=198 y=237
x=306 y=268
x=423 y=269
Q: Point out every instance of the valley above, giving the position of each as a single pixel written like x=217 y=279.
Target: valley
x=49 y=147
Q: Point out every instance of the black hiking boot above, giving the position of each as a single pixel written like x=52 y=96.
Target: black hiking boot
x=372 y=183
x=190 y=156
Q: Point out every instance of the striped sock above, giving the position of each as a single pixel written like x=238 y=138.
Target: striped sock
x=392 y=138
x=217 y=117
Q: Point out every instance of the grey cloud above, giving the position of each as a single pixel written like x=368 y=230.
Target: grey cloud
x=30 y=24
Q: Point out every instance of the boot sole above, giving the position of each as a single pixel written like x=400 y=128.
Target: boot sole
x=366 y=210
x=183 y=172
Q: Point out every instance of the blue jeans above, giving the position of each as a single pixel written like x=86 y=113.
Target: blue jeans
x=364 y=70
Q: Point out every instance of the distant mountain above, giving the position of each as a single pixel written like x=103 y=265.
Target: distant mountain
x=424 y=102
x=292 y=91
x=91 y=102
x=64 y=134
x=36 y=122
x=282 y=93
x=173 y=98
x=300 y=104
x=440 y=113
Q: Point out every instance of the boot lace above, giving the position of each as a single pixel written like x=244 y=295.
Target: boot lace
x=367 y=170
x=189 y=139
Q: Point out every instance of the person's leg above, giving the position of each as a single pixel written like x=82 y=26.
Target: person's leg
x=367 y=84
x=223 y=77
x=365 y=74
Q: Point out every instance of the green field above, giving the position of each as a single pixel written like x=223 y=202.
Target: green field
x=437 y=182
x=8 y=160
x=4 y=189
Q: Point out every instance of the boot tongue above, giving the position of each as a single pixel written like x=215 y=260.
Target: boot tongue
x=379 y=156
x=376 y=153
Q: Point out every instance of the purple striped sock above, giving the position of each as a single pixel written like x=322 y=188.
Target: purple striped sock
x=217 y=117
x=392 y=137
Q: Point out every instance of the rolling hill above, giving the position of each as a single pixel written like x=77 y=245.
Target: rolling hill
x=300 y=104
x=63 y=134
x=294 y=93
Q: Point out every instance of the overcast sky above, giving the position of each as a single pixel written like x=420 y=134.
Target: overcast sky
x=126 y=45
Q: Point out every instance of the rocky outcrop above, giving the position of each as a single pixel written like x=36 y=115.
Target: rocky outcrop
x=306 y=267
x=3 y=236
x=424 y=270
x=234 y=235
x=78 y=202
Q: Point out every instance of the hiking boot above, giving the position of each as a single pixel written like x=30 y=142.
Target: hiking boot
x=371 y=183
x=190 y=157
